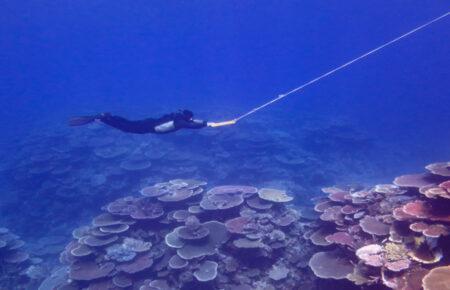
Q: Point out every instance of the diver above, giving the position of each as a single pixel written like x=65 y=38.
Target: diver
x=183 y=119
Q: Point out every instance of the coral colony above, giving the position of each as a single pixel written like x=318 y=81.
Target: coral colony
x=391 y=234
x=178 y=235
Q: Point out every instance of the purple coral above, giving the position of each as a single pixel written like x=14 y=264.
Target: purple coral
x=330 y=265
x=373 y=226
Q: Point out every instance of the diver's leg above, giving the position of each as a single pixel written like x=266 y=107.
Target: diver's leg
x=83 y=120
x=137 y=127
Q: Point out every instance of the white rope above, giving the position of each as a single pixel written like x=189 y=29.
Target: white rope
x=340 y=67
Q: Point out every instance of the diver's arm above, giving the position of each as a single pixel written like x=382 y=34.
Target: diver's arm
x=197 y=124
x=193 y=124
x=137 y=127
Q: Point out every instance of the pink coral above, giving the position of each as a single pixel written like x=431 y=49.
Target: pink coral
x=396 y=228
x=427 y=210
x=341 y=238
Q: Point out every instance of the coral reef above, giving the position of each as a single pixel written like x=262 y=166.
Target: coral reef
x=396 y=235
x=17 y=269
x=57 y=166
x=177 y=235
x=60 y=178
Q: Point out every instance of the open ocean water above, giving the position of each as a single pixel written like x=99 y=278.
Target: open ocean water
x=299 y=195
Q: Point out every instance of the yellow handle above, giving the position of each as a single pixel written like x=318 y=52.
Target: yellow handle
x=220 y=124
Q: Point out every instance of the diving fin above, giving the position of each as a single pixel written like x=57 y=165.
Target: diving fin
x=82 y=120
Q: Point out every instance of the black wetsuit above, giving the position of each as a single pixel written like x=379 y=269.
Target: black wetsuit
x=166 y=124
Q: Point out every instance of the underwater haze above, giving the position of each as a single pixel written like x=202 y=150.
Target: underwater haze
x=381 y=117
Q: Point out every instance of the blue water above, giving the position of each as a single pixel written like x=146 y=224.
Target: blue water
x=381 y=117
